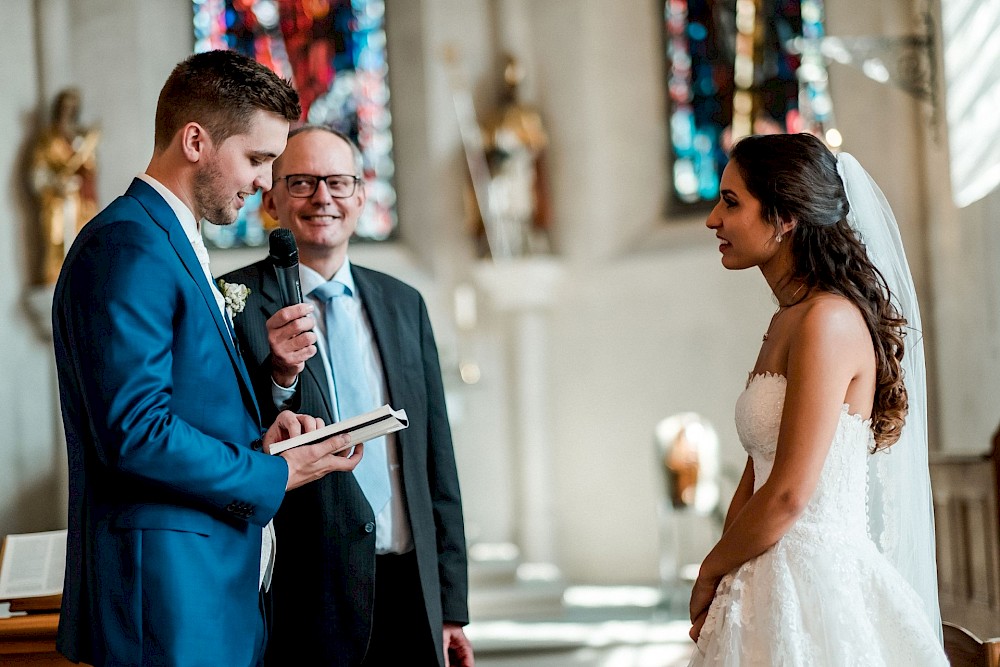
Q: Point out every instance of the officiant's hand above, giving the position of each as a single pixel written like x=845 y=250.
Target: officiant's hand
x=310 y=462
x=293 y=341
x=457 y=647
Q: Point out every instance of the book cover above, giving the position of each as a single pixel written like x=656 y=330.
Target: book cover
x=376 y=423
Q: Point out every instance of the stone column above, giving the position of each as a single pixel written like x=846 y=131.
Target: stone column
x=39 y=303
x=522 y=291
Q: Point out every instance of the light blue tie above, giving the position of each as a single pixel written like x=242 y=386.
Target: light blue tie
x=352 y=389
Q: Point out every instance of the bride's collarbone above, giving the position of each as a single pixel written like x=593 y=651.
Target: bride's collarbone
x=773 y=356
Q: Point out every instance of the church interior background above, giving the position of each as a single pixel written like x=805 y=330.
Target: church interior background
x=562 y=366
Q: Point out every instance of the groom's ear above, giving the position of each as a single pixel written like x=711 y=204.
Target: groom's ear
x=194 y=141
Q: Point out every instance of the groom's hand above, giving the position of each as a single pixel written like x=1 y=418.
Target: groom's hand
x=310 y=462
x=292 y=341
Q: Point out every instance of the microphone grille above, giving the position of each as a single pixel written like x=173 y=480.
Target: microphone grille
x=284 y=252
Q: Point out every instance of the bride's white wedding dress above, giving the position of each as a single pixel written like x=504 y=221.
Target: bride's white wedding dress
x=824 y=594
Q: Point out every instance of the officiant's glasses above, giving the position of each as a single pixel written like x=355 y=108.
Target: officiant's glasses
x=305 y=185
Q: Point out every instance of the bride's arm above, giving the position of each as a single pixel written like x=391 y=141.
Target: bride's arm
x=828 y=351
x=741 y=496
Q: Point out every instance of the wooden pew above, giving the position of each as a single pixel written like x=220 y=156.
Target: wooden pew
x=964 y=649
x=967 y=514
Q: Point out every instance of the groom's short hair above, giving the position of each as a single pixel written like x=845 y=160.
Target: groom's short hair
x=220 y=90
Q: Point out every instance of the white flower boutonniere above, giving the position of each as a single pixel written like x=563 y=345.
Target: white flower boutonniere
x=235 y=295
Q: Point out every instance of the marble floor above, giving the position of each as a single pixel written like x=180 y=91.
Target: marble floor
x=599 y=626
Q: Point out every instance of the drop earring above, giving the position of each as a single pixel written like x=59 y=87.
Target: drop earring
x=778 y=237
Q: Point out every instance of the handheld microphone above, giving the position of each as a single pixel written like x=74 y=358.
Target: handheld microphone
x=285 y=257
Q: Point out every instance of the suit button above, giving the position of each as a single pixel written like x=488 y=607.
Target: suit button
x=370 y=527
x=257 y=445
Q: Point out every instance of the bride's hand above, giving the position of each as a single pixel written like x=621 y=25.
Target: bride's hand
x=701 y=596
x=696 y=627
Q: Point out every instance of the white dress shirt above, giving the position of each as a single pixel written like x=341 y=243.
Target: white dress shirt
x=268 y=545
x=392 y=528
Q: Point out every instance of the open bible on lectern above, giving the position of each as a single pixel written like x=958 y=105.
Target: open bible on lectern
x=374 y=424
x=31 y=570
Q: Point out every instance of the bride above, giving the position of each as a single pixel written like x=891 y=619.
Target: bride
x=827 y=552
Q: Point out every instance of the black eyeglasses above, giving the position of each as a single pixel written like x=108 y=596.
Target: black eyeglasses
x=305 y=185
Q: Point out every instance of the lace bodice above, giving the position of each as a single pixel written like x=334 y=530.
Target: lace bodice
x=840 y=495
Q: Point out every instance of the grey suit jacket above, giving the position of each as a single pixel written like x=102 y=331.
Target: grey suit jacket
x=323 y=584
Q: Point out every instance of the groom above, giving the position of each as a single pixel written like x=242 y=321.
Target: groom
x=170 y=493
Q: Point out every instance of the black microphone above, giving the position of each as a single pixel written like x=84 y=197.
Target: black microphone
x=285 y=257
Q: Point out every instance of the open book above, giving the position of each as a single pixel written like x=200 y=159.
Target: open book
x=31 y=570
x=374 y=424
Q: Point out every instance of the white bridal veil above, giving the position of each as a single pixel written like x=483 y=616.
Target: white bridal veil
x=900 y=507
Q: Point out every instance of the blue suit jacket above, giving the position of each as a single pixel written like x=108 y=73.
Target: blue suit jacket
x=167 y=496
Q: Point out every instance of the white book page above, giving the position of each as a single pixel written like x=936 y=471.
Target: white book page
x=33 y=565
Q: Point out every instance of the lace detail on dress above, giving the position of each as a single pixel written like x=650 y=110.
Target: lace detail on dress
x=889 y=537
x=823 y=595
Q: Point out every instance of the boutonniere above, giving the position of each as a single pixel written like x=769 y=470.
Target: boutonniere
x=235 y=295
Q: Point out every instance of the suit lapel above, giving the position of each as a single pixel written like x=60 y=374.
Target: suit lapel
x=385 y=329
x=163 y=215
x=315 y=371
x=389 y=340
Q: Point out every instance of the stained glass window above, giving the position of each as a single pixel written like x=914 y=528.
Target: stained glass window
x=738 y=67
x=334 y=52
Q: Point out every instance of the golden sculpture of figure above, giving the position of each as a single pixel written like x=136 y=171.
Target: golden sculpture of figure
x=514 y=142
x=682 y=465
x=64 y=178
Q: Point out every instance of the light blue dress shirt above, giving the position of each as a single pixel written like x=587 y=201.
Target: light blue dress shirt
x=392 y=529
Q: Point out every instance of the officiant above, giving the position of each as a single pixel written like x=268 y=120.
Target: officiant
x=375 y=563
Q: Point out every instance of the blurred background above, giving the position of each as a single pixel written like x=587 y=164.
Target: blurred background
x=541 y=171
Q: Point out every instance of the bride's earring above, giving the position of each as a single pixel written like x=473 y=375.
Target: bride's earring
x=778 y=237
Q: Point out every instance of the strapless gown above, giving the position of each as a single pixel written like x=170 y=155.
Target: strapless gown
x=824 y=594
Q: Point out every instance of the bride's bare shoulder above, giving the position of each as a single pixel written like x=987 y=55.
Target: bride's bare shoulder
x=828 y=317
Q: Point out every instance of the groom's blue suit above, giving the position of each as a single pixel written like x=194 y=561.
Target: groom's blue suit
x=167 y=496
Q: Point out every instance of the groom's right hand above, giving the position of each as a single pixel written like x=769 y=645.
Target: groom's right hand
x=311 y=462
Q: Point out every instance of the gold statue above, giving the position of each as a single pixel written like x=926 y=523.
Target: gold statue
x=64 y=177
x=514 y=142
x=682 y=466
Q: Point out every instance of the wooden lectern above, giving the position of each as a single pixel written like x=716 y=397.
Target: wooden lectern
x=32 y=565
x=30 y=640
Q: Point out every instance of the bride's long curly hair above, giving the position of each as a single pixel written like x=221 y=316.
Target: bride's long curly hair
x=794 y=176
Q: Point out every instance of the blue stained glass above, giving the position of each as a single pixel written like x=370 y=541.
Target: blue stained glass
x=700 y=38
x=697 y=31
